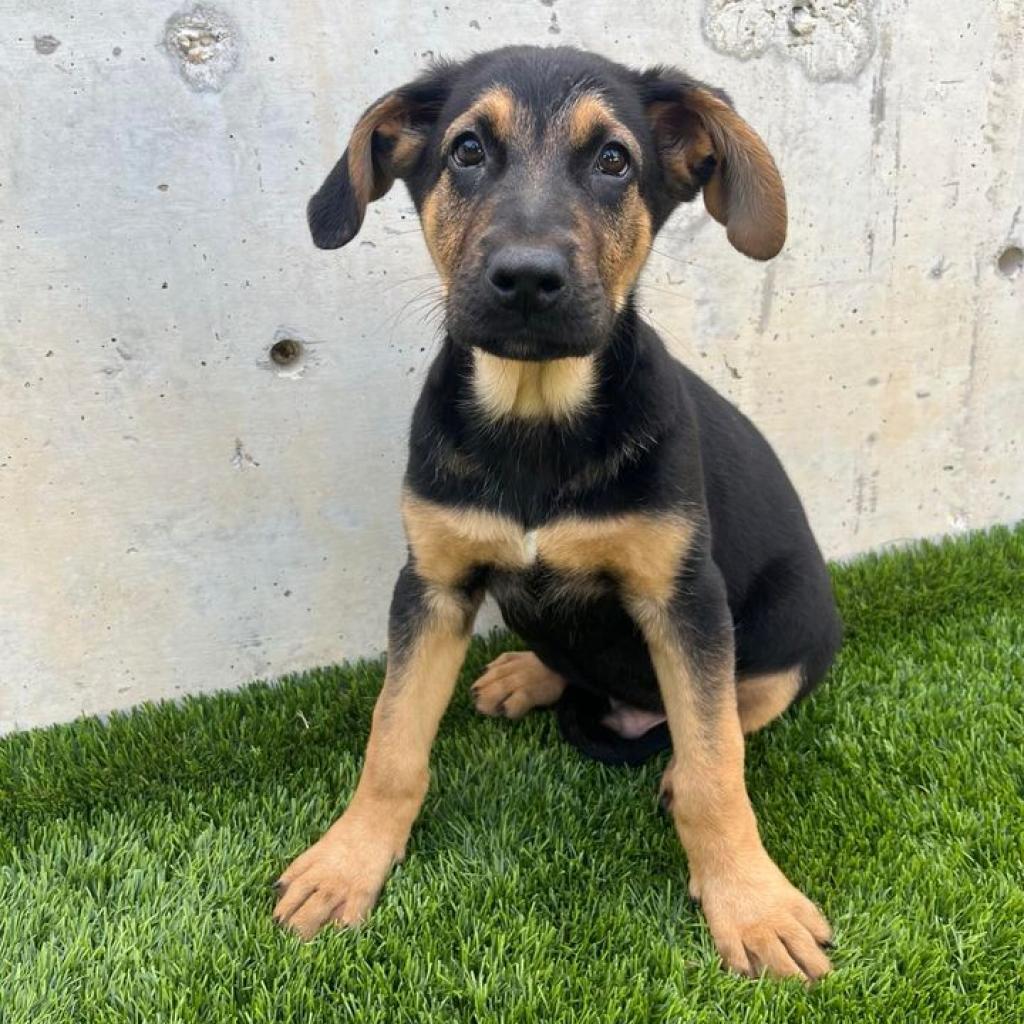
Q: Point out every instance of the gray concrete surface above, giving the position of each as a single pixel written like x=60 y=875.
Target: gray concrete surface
x=179 y=513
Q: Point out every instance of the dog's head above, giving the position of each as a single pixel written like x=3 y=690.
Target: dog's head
x=541 y=177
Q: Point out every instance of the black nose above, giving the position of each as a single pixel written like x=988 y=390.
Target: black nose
x=528 y=278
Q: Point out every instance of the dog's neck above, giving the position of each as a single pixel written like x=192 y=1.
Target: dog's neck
x=556 y=390
x=464 y=442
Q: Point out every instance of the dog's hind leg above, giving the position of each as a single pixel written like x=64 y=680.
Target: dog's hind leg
x=762 y=698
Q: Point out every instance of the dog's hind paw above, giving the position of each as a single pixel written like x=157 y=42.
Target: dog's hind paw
x=514 y=683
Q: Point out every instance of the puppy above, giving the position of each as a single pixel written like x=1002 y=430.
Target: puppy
x=635 y=529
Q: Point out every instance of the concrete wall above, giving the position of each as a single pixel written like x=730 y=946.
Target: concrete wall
x=178 y=513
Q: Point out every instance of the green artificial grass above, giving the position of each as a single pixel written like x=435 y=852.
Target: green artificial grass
x=136 y=856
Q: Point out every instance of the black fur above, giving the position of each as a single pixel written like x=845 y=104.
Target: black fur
x=655 y=438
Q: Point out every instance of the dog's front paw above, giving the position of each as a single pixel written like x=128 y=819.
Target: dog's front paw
x=337 y=880
x=761 y=923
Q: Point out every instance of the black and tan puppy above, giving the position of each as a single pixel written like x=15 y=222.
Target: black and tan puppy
x=636 y=530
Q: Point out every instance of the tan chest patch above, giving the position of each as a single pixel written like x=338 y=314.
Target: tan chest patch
x=640 y=550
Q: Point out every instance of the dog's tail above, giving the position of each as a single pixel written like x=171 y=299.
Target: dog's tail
x=579 y=720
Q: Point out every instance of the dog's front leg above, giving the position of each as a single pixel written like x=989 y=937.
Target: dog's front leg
x=339 y=878
x=759 y=921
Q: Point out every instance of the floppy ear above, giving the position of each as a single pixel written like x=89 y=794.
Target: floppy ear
x=385 y=144
x=705 y=144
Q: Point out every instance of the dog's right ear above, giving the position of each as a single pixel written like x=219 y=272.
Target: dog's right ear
x=385 y=144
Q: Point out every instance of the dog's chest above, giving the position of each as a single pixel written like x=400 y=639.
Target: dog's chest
x=640 y=551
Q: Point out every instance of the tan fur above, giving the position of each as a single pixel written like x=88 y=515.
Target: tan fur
x=643 y=551
x=515 y=683
x=406 y=146
x=763 y=698
x=745 y=193
x=555 y=389
x=448 y=542
x=370 y=183
x=444 y=222
x=339 y=877
x=625 y=249
x=498 y=107
x=616 y=246
x=589 y=114
x=622 y=241
x=683 y=142
x=445 y=216
x=758 y=920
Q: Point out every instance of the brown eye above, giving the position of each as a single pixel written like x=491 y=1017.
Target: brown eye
x=467 y=150
x=613 y=159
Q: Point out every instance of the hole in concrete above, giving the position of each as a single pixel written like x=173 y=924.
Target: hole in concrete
x=1011 y=261
x=46 y=44
x=286 y=352
x=204 y=45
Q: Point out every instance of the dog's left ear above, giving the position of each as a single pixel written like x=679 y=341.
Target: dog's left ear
x=704 y=144
x=385 y=144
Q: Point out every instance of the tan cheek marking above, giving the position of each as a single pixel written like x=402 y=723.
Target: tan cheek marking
x=615 y=248
x=447 y=543
x=442 y=217
x=763 y=698
x=628 y=247
x=509 y=387
x=620 y=242
x=588 y=251
x=643 y=551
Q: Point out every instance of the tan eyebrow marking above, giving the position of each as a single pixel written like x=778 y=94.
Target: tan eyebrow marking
x=591 y=114
x=499 y=108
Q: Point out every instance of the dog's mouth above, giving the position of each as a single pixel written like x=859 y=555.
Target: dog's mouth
x=574 y=330
x=533 y=345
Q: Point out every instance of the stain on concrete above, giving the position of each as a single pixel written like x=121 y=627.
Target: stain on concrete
x=767 y=297
x=203 y=44
x=832 y=40
x=242 y=459
x=878 y=86
x=736 y=375
x=46 y=44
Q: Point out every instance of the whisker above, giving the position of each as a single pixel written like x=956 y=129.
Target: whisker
x=675 y=259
